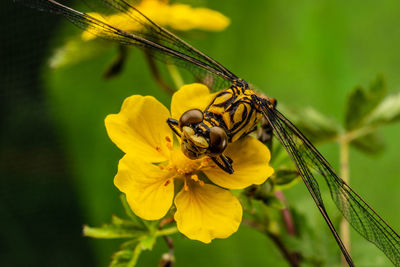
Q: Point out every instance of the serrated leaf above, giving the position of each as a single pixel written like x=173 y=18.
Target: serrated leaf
x=119 y=228
x=387 y=112
x=130 y=251
x=315 y=126
x=361 y=103
x=371 y=143
x=147 y=242
x=127 y=256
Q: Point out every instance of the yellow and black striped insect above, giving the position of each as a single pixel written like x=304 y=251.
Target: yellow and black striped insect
x=233 y=113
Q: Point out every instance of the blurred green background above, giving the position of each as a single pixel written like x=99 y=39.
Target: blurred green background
x=57 y=163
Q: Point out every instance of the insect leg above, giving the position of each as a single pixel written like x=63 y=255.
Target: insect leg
x=173 y=124
x=224 y=162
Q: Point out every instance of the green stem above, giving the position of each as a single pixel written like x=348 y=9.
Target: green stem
x=167 y=231
x=354 y=134
x=345 y=174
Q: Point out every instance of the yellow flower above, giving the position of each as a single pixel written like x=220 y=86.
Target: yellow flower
x=176 y=16
x=153 y=168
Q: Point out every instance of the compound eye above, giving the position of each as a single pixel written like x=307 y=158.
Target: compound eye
x=218 y=140
x=190 y=117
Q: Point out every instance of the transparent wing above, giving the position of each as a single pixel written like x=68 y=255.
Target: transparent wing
x=156 y=33
x=154 y=39
x=311 y=165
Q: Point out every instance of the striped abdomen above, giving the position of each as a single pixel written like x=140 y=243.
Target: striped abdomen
x=233 y=110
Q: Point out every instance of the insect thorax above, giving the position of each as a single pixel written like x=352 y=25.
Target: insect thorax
x=233 y=110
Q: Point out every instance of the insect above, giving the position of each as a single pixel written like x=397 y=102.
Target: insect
x=231 y=115
x=234 y=113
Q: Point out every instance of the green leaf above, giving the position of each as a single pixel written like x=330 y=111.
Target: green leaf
x=371 y=143
x=265 y=193
x=143 y=238
x=285 y=176
x=119 y=228
x=304 y=241
x=315 y=126
x=387 y=112
x=274 y=202
x=130 y=251
x=127 y=256
x=361 y=103
x=258 y=191
x=147 y=242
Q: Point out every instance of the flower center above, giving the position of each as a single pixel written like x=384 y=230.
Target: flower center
x=191 y=179
x=187 y=170
x=181 y=167
x=184 y=168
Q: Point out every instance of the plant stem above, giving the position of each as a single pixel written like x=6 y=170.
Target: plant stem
x=345 y=174
x=168 y=259
x=292 y=257
x=167 y=231
x=286 y=215
x=170 y=243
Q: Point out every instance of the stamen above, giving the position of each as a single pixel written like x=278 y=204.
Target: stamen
x=167 y=182
x=161 y=167
x=168 y=139
x=158 y=149
x=205 y=162
x=186 y=187
x=195 y=177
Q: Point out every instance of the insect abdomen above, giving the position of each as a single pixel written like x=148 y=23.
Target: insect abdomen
x=233 y=110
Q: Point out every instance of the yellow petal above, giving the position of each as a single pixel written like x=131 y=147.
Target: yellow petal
x=180 y=17
x=250 y=163
x=183 y=18
x=190 y=96
x=207 y=212
x=140 y=128
x=149 y=190
x=119 y=20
